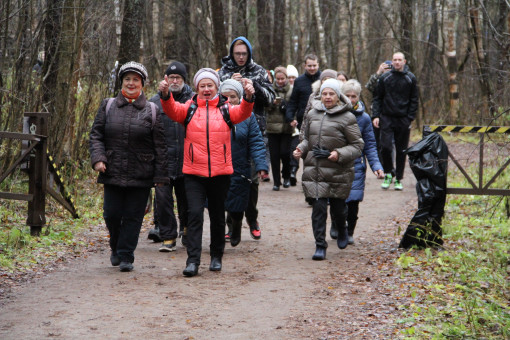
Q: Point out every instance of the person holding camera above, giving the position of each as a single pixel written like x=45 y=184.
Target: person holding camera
x=279 y=133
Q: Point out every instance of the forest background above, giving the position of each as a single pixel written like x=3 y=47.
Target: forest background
x=459 y=51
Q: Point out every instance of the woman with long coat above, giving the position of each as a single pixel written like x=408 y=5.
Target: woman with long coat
x=331 y=142
x=127 y=148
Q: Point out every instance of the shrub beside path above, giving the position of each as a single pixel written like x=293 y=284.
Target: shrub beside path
x=268 y=289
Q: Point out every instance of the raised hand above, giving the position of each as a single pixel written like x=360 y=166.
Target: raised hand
x=249 y=90
x=164 y=86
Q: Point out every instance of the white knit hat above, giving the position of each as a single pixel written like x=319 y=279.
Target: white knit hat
x=232 y=85
x=206 y=73
x=292 y=71
x=332 y=84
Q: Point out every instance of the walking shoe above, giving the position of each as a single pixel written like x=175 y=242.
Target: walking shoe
x=114 y=259
x=286 y=182
x=276 y=188
x=154 y=235
x=265 y=178
x=255 y=231
x=126 y=266
x=190 y=270
x=320 y=254
x=183 y=237
x=350 y=239
x=387 y=181
x=398 y=185
x=168 y=246
x=293 y=178
x=215 y=264
x=228 y=236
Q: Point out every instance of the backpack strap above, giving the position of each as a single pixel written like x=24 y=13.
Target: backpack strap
x=226 y=117
x=109 y=104
x=153 y=110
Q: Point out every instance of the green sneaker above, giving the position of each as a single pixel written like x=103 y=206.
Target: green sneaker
x=387 y=181
x=398 y=185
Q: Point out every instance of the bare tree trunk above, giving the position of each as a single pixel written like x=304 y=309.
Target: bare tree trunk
x=488 y=104
x=320 y=30
x=451 y=54
x=118 y=21
x=278 y=34
x=287 y=35
x=220 y=40
x=406 y=19
x=301 y=31
x=131 y=36
x=150 y=60
x=264 y=33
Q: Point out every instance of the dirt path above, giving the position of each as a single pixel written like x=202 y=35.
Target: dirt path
x=268 y=289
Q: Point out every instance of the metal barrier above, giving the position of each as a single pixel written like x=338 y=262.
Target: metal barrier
x=480 y=188
x=36 y=161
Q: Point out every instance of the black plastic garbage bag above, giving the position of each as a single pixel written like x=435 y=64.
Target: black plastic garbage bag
x=429 y=162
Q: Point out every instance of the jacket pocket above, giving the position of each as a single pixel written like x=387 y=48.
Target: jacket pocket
x=190 y=152
x=145 y=166
x=110 y=163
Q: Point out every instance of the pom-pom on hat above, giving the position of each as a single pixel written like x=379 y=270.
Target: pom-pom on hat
x=177 y=68
x=232 y=85
x=135 y=67
x=206 y=73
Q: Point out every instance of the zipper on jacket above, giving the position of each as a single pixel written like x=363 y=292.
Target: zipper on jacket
x=317 y=160
x=190 y=151
x=225 y=153
x=207 y=132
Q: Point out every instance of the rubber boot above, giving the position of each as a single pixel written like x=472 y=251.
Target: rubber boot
x=293 y=179
x=351 y=225
x=342 y=239
x=333 y=232
x=235 y=238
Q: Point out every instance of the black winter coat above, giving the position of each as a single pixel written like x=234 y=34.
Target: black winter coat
x=174 y=133
x=396 y=95
x=299 y=97
x=133 y=150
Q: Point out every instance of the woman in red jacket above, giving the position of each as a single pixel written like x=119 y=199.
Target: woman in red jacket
x=207 y=159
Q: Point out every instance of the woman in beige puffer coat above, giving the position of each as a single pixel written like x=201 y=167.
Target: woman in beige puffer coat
x=332 y=141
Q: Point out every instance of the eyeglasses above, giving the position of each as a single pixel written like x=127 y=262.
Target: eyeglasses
x=241 y=54
x=175 y=78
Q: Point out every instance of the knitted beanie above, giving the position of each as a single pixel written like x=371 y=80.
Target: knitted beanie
x=280 y=69
x=292 y=71
x=177 y=68
x=206 y=73
x=328 y=73
x=232 y=85
x=332 y=84
x=135 y=67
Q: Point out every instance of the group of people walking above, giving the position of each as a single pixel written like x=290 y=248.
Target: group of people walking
x=209 y=148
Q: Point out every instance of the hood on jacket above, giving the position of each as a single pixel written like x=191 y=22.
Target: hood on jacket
x=316 y=86
x=231 y=50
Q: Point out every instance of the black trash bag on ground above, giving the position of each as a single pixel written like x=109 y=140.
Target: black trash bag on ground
x=429 y=162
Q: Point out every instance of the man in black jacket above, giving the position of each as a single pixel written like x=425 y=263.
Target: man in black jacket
x=394 y=107
x=164 y=217
x=297 y=104
x=236 y=65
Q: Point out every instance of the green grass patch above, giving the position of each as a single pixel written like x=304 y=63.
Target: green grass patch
x=461 y=291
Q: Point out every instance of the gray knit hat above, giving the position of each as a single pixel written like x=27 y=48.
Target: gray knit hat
x=232 y=85
x=135 y=67
x=329 y=73
x=206 y=73
x=332 y=84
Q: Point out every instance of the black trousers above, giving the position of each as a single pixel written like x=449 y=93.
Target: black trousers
x=320 y=214
x=123 y=210
x=198 y=190
x=394 y=129
x=294 y=142
x=352 y=216
x=164 y=216
x=279 y=150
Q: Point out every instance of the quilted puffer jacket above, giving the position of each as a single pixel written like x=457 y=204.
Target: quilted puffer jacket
x=330 y=129
x=125 y=139
x=207 y=148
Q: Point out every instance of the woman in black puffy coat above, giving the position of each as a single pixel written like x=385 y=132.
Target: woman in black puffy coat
x=127 y=148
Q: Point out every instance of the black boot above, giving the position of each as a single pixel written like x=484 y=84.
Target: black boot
x=342 y=240
x=351 y=225
x=320 y=254
x=333 y=232
x=154 y=235
x=293 y=179
x=235 y=238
